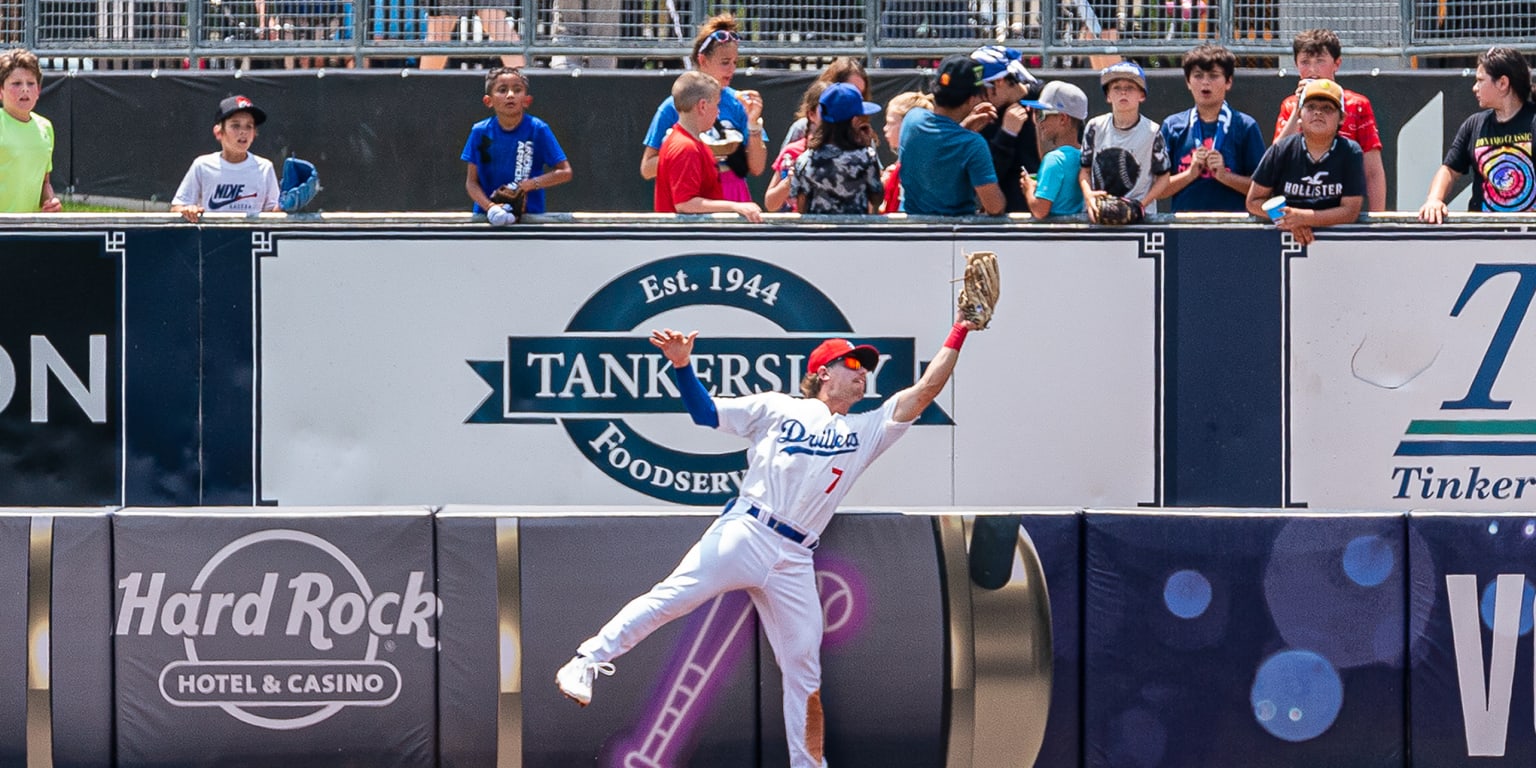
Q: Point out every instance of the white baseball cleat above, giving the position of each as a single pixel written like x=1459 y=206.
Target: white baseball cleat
x=576 y=677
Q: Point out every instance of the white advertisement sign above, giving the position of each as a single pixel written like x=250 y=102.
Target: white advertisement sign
x=435 y=369
x=1411 y=381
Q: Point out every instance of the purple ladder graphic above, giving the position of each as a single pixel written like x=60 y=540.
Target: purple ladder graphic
x=690 y=680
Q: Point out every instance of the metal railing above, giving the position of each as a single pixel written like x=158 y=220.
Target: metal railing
x=429 y=30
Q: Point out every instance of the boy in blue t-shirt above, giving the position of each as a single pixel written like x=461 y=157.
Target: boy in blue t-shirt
x=1059 y=115
x=1215 y=148
x=512 y=155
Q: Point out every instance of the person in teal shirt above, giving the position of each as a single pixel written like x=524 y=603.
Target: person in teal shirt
x=1059 y=116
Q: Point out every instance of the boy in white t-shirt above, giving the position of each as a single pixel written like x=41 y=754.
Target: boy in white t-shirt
x=232 y=180
x=1124 y=153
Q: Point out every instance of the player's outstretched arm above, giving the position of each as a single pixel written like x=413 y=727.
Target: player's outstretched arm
x=678 y=348
x=911 y=401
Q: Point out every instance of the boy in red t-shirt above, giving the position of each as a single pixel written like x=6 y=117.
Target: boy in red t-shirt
x=686 y=179
x=1318 y=57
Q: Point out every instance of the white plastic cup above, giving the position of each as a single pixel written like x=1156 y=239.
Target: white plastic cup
x=1275 y=207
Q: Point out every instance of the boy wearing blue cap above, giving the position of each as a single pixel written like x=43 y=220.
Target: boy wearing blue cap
x=1124 y=154
x=1009 y=132
x=839 y=173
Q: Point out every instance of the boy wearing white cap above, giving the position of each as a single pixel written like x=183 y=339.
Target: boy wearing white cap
x=1059 y=115
x=1004 y=121
x=1124 y=154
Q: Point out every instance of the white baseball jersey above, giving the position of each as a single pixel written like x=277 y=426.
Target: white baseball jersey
x=220 y=186
x=803 y=457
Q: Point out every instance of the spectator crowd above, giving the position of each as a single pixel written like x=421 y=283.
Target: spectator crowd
x=986 y=138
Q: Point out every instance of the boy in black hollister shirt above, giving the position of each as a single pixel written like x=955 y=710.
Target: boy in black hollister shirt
x=1321 y=174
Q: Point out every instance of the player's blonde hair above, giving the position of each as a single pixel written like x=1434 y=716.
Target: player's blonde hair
x=692 y=87
x=810 y=386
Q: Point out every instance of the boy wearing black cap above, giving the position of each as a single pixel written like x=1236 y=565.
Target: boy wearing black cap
x=232 y=180
x=947 y=168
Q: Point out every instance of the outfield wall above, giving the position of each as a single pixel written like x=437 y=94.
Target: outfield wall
x=403 y=637
x=359 y=360
x=286 y=400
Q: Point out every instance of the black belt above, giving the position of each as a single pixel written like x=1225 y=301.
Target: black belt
x=779 y=526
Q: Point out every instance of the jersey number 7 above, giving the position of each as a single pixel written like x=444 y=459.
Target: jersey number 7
x=835 y=480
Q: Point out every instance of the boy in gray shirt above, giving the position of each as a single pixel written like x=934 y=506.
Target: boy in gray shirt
x=1123 y=151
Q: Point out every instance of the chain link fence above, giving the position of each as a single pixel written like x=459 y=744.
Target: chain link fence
x=1472 y=23
x=313 y=32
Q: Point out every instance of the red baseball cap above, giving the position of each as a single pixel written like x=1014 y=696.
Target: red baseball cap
x=832 y=349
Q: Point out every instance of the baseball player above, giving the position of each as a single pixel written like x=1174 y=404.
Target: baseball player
x=805 y=454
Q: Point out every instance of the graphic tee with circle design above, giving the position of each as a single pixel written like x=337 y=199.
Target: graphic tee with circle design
x=1501 y=159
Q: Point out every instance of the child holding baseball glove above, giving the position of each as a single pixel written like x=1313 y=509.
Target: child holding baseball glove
x=1124 y=155
x=234 y=179
x=512 y=155
x=237 y=180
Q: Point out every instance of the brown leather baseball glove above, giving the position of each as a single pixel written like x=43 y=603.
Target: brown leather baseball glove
x=513 y=194
x=1118 y=211
x=978 y=296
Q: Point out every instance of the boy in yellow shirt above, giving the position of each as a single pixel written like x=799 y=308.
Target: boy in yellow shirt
x=26 y=139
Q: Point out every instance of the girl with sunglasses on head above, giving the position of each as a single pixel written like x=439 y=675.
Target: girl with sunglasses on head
x=715 y=50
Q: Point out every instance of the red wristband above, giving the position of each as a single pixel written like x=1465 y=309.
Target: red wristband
x=957 y=336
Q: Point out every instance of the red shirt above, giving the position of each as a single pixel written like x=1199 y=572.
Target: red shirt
x=785 y=163
x=892 y=181
x=685 y=170
x=1359 y=120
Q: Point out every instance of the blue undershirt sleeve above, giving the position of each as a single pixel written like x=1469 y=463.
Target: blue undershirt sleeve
x=695 y=398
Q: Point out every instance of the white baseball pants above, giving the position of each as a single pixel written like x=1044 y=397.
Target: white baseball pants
x=739 y=552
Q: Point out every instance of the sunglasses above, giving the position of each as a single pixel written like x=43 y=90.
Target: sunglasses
x=719 y=36
x=850 y=362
